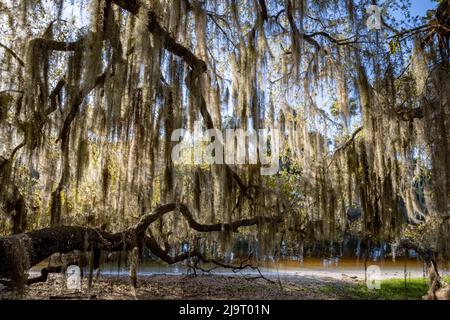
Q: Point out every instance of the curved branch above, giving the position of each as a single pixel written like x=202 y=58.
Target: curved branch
x=409 y=114
x=78 y=99
x=154 y=247
x=12 y=53
x=297 y=32
x=44 y=274
x=346 y=144
x=332 y=39
x=159 y=212
x=164 y=255
x=16 y=149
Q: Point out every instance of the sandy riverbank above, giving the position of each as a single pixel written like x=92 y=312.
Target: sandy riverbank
x=188 y=287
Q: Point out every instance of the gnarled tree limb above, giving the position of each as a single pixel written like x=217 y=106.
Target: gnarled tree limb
x=22 y=251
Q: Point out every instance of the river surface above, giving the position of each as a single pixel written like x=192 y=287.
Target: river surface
x=345 y=269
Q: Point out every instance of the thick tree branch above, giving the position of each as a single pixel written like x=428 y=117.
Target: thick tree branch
x=54 y=94
x=34 y=246
x=49 y=44
x=186 y=213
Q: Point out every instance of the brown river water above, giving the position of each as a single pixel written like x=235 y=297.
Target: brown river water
x=337 y=268
x=310 y=267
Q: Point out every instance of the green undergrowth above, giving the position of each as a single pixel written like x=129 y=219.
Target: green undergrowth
x=390 y=289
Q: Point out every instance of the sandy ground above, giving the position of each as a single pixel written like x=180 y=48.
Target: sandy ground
x=288 y=283
x=187 y=287
x=344 y=274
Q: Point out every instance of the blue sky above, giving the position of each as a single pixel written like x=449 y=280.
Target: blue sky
x=420 y=7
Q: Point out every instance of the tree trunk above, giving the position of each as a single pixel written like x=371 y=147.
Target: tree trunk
x=436 y=291
x=20 y=252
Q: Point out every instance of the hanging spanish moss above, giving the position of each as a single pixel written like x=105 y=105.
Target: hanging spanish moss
x=89 y=108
